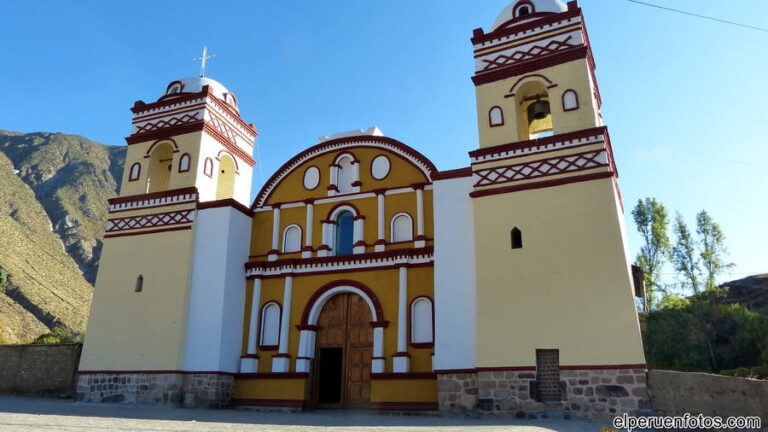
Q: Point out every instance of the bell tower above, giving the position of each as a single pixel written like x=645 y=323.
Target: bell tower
x=171 y=278
x=553 y=284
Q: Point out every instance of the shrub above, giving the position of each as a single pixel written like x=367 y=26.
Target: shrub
x=59 y=335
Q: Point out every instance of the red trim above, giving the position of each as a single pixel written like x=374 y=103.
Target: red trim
x=307 y=327
x=184 y=215
x=340 y=259
x=250 y=356
x=229 y=202
x=339 y=205
x=403 y=375
x=401 y=354
x=282 y=355
x=404 y=406
x=451 y=174
x=261 y=325
x=506 y=369
x=152 y=372
x=288 y=403
x=269 y=348
x=490 y=117
x=356 y=183
x=542 y=184
x=173 y=83
x=229 y=153
x=189 y=162
x=273 y=375
x=517 y=145
x=511 y=92
x=329 y=286
x=376 y=324
x=131 y=178
x=479 y=38
x=603 y=367
x=576 y=95
x=188 y=227
x=532 y=65
x=453 y=371
x=420 y=345
x=148 y=153
x=316 y=150
x=152 y=195
x=340 y=271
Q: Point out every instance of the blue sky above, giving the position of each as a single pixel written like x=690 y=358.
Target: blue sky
x=685 y=99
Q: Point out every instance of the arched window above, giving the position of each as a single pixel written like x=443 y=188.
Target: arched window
x=225 y=187
x=346 y=175
x=292 y=239
x=160 y=162
x=230 y=99
x=496 y=116
x=184 y=162
x=517 y=238
x=270 y=326
x=401 y=228
x=135 y=172
x=523 y=8
x=421 y=321
x=139 y=284
x=208 y=167
x=174 y=88
x=570 y=100
x=345 y=228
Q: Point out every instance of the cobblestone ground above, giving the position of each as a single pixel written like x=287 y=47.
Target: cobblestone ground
x=34 y=414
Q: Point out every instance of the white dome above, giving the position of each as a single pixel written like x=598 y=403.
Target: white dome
x=196 y=84
x=539 y=6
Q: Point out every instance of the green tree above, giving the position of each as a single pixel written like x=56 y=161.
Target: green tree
x=683 y=255
x=59 y=335
x=713 y=250
x=651 y=220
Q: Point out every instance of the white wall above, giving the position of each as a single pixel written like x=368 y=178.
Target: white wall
x=217 y=295
x=455 y=309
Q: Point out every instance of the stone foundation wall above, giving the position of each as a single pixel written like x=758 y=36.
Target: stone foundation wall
x=586 y=393
x=167 y=389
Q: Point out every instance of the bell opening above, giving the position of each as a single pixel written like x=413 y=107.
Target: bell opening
x=538 y=110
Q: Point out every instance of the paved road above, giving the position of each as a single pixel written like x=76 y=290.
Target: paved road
x=35 y=414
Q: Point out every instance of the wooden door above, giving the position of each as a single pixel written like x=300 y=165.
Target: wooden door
x=344 y=323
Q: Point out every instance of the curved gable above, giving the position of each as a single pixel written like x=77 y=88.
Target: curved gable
x=407 y=164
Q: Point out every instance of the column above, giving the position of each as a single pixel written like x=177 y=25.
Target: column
x=282 y=360
x=377 y=363
x=381 y=241
x=306 y=251
x=401 y=359
x=272 y=254
x=249 y=363
x=358 y=246
x=324 y=249
x=420 y=240
x=306 y=347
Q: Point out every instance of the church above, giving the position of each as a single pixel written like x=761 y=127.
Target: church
x=361 y=275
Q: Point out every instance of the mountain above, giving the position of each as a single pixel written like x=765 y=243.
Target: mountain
x=53 y=209
x=72 y=177
x=751 y=292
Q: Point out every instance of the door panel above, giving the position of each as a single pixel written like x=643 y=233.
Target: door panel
x=344 y=324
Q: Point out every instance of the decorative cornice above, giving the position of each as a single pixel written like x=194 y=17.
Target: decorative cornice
x=374 y=260
x=397 y=147
x=535 y=64
x=528 y=147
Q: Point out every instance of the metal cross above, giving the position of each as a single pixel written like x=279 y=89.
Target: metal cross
x=204 y=58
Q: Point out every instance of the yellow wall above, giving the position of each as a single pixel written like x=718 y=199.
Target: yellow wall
x=568 y=288
x=270 y=388
x=404 y=390
x=146 y=330
x=573 y=75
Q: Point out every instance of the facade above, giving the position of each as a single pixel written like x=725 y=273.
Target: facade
x=361 y=276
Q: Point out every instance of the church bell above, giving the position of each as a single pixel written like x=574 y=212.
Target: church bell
x=538 y=110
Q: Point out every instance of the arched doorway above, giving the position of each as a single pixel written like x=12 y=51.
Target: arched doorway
x=344 y=348
x=160 y=162
x=225 y=187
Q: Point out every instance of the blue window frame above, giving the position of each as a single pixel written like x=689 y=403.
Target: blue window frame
x=345 y=227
